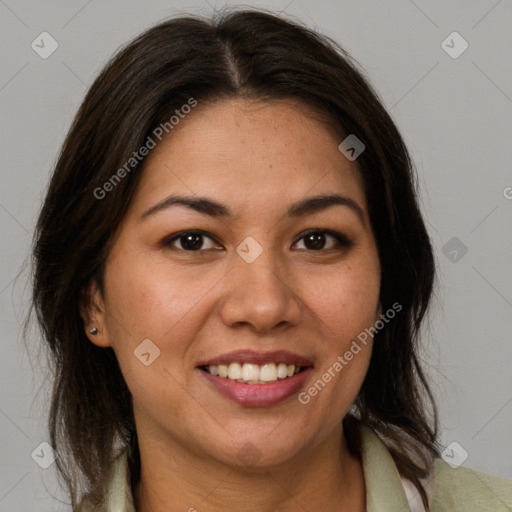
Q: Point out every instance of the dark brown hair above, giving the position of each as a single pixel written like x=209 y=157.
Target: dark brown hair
x=248 y=54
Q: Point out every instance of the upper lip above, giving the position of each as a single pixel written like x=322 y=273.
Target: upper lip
x=259 y=358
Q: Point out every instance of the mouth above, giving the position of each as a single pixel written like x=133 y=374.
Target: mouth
x=252 y=379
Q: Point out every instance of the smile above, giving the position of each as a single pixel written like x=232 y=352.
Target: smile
x=254 y=379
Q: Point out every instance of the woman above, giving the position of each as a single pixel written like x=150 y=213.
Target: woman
x=231 y=271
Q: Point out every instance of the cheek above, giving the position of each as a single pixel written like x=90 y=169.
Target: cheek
x=344 y=303
x=345 y=300
x=149 y=300
x=161 y=303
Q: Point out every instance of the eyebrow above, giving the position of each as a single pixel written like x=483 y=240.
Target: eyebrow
x=215 y=209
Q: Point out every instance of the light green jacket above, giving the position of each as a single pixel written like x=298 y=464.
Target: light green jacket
x=450 y=490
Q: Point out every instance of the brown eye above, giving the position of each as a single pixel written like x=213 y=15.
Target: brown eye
x=316 y=240
x=188 y=241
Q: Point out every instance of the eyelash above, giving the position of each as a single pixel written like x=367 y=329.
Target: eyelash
x=342 y=241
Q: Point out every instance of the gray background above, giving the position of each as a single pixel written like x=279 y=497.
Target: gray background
x=455 y=115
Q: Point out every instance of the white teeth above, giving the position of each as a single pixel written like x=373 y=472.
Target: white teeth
x=235 y=371
x=268 y=372
x=250 y=373
x=282 y=371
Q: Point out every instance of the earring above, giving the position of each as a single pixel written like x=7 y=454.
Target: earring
x=93 y=331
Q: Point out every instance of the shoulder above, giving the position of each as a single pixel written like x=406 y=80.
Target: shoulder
x=468 y=490
x=449 y=489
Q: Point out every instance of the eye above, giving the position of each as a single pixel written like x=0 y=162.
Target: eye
x=315 y=240
x=192 y=240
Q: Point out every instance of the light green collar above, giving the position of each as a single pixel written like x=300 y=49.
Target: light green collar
x=384 y=489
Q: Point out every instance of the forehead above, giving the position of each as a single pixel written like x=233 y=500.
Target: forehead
x=246 y=152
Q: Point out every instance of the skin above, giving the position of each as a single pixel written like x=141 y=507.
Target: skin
x=257 y=158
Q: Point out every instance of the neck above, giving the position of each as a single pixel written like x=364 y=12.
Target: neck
x=313 y=480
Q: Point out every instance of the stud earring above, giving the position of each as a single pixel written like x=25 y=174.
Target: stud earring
x=93 y=331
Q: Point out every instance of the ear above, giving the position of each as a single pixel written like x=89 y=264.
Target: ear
x=92 y=311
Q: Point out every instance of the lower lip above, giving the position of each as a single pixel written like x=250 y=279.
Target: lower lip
x=258 y=395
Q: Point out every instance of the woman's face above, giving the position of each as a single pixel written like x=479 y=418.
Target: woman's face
x=252 y=289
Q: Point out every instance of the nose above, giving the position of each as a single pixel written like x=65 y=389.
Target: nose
x=260 y=295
